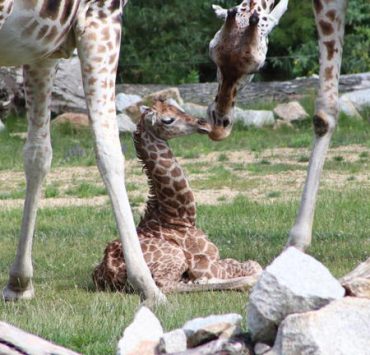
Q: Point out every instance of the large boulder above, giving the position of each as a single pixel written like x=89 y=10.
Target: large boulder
x=348 y=108
x=357 y=282
x=254 y=118
x=75 y=120
x=142 y=335
x=195 y=109
x=125 y=124
x=291 y=111
x=201 y=330
x=126 y=100
x=172 y=342
x=294 y=283
x=359 y=98
x=340 y=328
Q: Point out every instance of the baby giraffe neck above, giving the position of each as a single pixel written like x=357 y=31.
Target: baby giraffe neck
x=171 y=200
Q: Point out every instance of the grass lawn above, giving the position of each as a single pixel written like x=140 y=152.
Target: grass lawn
x=270 y=164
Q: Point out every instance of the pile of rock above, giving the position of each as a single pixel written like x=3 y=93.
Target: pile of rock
x=296 y=307
x=211 y=335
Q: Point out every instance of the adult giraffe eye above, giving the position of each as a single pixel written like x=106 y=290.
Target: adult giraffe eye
x=168 y=120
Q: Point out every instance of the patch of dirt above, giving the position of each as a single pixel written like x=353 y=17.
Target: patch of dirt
x=267 y=188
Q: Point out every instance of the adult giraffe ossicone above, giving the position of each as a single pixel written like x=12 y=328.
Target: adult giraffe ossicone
x=237 y=58
x=35 y=34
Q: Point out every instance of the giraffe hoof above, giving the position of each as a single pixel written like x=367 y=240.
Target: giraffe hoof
x=12 y=296
x=154 y=301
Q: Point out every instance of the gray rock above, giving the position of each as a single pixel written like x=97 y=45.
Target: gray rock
x=291 y=111
x=125 y=124
x=254 y=118
x=200 y=330
x=173 y=342
x=2 y=126
x=347 y=107
x=75 y=120
x=170 y=93
x=68 y=93
x=294 y=283
x=238 y=345
x=195 y=109
x=142 y=335
x=341 y=328
x=125 y=100
x=261 y=348
x=247 y=117
x=359 y=98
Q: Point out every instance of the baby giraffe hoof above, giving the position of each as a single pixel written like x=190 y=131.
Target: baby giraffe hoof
x=12 y=296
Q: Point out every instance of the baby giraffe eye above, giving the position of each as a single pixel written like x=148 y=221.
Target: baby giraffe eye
x=167 y=120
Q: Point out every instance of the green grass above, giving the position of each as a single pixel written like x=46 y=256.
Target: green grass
x=73 y=147
x=70 y=241
x=85 y=190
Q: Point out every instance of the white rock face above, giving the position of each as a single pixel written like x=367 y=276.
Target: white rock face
x=341 y=328
x=360 y=98
x=195 y=109
x=294 y=283
x=200 y=330
x=173 y=342
x=291 y=111
x=124 y=100
x=125 y=124
x=170 y=93
x=254 y=118
x=346 y=106
x=247 y=117
x=142 y=335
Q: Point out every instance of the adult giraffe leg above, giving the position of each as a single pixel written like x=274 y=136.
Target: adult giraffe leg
x=38 y=81
x=98 y=47
x=329 y=16
x=6 y=7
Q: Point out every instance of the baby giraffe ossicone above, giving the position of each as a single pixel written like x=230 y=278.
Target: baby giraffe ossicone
x=180 y=256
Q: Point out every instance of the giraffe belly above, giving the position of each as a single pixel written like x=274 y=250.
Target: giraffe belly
x=26 y=37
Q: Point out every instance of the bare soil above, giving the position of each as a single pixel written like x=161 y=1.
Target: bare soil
x=266 y=188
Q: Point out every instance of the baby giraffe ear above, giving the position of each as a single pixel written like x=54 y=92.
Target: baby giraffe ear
x=150 y=114
x=144 y=109
x=220 y=12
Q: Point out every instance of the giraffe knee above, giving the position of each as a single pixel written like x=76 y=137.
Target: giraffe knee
x=323 y=124
x=37 y=158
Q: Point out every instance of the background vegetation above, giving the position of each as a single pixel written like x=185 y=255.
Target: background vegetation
x=166 y=41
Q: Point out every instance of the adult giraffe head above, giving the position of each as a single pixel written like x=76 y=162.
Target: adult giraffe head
x=239 y=49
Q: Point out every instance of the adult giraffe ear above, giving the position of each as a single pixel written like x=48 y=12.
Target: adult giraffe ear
x=220 y=12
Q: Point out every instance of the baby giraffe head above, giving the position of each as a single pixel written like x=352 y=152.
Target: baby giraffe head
x=239 y=49
x=166 y=121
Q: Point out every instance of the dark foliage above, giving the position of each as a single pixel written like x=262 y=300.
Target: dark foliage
x=166 y=41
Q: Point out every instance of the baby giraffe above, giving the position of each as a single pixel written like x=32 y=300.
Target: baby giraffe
x=178 y=254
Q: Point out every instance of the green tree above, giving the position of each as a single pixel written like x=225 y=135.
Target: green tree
x=166 y=41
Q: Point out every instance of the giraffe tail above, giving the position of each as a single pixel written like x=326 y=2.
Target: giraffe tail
x=244 y=283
